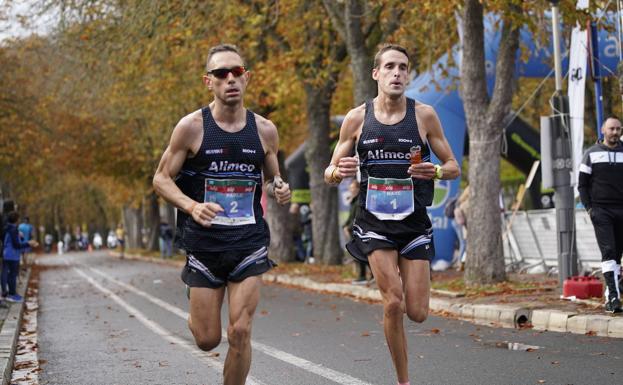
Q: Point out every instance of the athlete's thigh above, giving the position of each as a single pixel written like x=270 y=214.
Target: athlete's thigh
x=243 y=298
x=205 y=308
x=415 y=276
x=384 y=266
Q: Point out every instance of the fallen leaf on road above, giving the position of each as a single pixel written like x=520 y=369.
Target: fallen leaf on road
x=434 y=331
x=365 y=334
x=295 y=334
x=591 y=333
x=541 y=381
x=530 y=349
x=555 y=362
x=264 y=312
x=163 y=363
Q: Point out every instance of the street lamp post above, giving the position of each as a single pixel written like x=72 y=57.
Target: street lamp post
x=562 y=165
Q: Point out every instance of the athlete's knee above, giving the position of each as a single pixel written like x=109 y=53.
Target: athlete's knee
x=393 y=306
x=417 y=313
x=207 y=342
x=239 y=333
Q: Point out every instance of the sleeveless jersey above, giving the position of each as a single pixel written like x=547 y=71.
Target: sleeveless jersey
x=227 y=170
x=384 y=156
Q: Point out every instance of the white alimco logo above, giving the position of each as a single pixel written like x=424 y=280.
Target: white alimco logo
x=381 y=154
x=401 y=140
x=248 y=151
x=224 y=165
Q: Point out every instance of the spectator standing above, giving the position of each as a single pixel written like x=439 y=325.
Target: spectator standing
x=27 y=232
x=166 y=240
x=121 y=238
x=600 y=183
x=353 y=188
x=12 y=248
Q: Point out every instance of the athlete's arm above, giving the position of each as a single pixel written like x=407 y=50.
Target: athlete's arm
x=184 y=135
x=438 y=144
x=273 y=183
x=342 y=164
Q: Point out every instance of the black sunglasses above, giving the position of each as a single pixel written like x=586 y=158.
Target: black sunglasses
x=222 y=73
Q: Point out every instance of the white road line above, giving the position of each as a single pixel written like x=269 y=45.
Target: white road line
x=156 y=328
x=318 y=369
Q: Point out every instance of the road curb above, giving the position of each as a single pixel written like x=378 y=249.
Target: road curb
x=10 y=332
x=503 y=315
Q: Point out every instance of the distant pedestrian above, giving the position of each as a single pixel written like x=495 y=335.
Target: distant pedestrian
x=11 y=252
x=166 y=240
x=600 y=183
x=97 y=240
x=111 y=240
x=27 y=232
x=48 y=240
x=449 y=211
x=121 y=239
x=347 y=227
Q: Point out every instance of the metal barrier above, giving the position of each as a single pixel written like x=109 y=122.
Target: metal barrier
x=531 y=243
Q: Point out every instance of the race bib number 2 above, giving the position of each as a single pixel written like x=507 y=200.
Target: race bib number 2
x=390 y=199
x=235 y=197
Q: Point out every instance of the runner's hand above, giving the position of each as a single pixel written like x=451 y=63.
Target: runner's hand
x=424 y=170
x=347 y=167
x=281 y=190
x=204 y=213
x=33 y=243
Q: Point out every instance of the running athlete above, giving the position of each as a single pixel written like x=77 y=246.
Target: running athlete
x=392 y=231
x=212 y=172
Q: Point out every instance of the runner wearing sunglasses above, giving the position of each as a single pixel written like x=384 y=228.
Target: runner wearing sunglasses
x=392 y=231
x=212 y=172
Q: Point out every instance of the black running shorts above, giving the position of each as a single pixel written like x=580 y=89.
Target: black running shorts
x=215 y=269
x=412 y=237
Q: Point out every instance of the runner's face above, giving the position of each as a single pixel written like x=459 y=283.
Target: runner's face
x=229 y=90
x=392 y=73
x=612 y=132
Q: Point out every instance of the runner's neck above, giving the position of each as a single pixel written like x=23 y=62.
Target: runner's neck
x=229 y=118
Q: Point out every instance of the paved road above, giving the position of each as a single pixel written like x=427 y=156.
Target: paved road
x=103 y=320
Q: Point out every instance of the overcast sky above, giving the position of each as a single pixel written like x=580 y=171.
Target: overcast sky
x=24 y=8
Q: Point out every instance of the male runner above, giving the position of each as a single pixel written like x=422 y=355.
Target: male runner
x=392 y=231
x=212 y=172
x=600 y=183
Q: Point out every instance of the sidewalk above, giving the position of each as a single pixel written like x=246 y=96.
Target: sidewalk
x=11 y=319
x=540 y=308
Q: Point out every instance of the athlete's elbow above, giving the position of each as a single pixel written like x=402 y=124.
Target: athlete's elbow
x=156 y=183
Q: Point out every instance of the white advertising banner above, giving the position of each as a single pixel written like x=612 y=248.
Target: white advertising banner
x=578 y=59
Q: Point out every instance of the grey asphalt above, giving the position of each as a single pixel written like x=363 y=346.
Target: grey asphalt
x=94 y=331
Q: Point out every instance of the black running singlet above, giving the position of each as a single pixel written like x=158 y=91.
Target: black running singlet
x=227 y=170
x=387 y=191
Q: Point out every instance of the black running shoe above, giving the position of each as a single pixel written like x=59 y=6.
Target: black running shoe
x=613 y=305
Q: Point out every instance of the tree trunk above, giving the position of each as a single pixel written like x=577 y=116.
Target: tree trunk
x=152 y=222
x=361 y=62
x=132 y=222
x=325 y=234
x=485 y=257
x=280 y=223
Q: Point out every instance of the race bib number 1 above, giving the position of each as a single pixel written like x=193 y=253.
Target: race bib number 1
x=235 y=197
x=390 y=199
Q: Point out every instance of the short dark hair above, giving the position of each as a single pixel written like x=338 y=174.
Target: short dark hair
x=389 y=47
x=222 y=48
x=611 y=116
x=13 y=217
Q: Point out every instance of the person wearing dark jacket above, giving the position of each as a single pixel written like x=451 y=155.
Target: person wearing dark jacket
x=600 y=183
x=12 y=248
